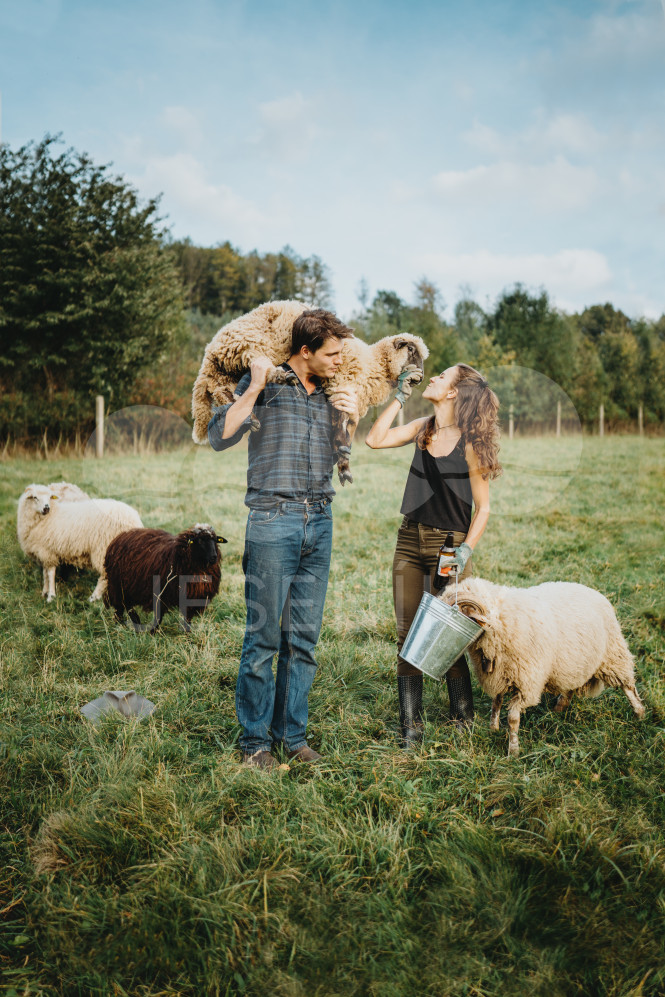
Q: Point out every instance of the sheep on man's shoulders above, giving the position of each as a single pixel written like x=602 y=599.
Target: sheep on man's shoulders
x=369 y=369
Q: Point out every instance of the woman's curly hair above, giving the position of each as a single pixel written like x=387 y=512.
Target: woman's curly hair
x=476 y=414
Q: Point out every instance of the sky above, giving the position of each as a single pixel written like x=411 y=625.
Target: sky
x=477 y=143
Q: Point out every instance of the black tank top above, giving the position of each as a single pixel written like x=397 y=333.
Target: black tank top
x=438 y=490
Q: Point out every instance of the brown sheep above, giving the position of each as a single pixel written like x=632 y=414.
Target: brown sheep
x=158 y=571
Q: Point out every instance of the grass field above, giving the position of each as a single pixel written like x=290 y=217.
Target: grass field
x=139 y=859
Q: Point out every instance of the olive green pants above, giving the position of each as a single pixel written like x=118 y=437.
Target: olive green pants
x=414 y=565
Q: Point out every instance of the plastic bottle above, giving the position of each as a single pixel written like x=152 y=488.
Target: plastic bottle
x=446 y=551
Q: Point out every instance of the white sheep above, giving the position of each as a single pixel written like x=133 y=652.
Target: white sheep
x=558 y=637
x=56 y=532
x=369 y=369
x=57 y=490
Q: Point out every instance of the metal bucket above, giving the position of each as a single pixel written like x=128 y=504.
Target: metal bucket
x=438 y=635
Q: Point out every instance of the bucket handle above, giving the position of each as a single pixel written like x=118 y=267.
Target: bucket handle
x=466 y=601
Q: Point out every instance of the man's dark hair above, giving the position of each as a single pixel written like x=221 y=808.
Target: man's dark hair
x=312 y=328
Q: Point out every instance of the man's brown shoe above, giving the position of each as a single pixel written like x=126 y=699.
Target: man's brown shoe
x=260 y=760
x=304 y=754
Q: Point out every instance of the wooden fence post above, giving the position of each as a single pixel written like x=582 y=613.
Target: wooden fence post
x=601 y=420
x=558 y=418
x=511 y=422
x=99 y=426
x=640 y=419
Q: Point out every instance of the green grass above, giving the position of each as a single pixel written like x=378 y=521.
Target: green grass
x=140 y=858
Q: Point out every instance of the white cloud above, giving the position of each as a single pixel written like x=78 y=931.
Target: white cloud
x=183 y=123
x=558 y=134
x=285 y=112
x=207 y=205
x=571 y=276
x=550 y=187
x=464 y=91
x=486 y=140
x=608 y=61
x=630 y=38
x=287 y=127
x=571 y=133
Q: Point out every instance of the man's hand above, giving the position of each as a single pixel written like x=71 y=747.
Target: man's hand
x=346 y=400
x=242 y=408
x=260 y=368
x=410 y=375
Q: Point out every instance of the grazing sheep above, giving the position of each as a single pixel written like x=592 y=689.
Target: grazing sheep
x=55 y=491
x=558 y=637
x=369 y=369
x=70 y=532
x=158 y=571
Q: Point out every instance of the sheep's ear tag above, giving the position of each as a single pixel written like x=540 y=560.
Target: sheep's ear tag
x=55 y=496
x=190 y=541
x=221 y=540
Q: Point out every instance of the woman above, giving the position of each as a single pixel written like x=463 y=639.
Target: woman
x=455 y=457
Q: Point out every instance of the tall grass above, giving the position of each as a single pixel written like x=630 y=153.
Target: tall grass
x=141 y=859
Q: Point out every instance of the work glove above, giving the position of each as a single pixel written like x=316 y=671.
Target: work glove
x=462 y=555
x=410 y=375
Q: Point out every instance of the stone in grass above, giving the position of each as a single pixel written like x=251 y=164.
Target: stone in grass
x=127 y=703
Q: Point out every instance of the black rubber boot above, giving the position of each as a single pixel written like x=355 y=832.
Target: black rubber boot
x=410 y=691
x=460 y=693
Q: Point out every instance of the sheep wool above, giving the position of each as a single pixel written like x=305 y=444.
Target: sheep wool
x=265 y=331
x=558 y=637
x=55 y=531
x=44 y=494
x=39 y=498
x=158 y=571
x=370 y=369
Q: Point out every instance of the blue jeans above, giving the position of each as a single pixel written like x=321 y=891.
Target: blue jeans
x=286 y=564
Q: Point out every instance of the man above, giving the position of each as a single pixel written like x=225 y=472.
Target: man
x=288 y=539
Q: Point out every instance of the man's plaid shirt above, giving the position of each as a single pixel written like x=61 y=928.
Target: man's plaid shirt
x=291 y=456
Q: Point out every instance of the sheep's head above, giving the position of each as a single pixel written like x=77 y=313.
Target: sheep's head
x=481 y=601
x=202 y=541
x=65 y=490
x=401 y=352
x=36 y=501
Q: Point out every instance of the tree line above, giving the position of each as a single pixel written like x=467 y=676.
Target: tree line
x=598 y=355
x=222 y=281
x=96 y=298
